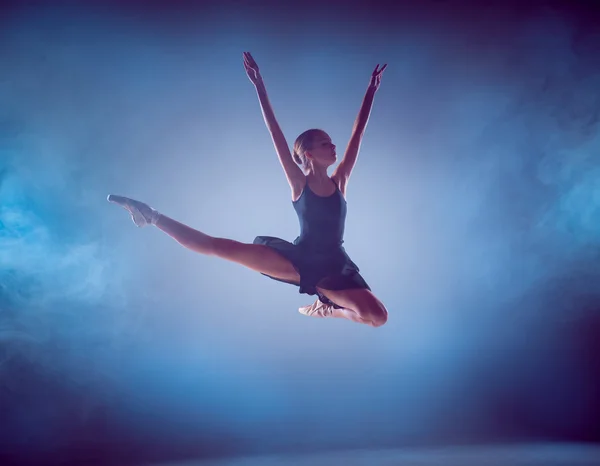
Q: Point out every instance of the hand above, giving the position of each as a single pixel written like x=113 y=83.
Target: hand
x=376 y=77
x=252 y=69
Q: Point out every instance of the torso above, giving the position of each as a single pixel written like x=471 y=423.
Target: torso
x=323 y=191
x=321 y=210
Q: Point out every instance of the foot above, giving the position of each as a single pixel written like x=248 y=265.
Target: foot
x=317 y=309
x=141 y=214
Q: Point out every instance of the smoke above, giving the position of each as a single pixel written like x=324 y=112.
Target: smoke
x=474 y=214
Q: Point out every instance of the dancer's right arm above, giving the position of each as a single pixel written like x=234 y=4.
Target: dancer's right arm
x=293 y=173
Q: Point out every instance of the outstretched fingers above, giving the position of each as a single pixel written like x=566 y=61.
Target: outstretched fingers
x=378 y=71
x=251 y=68
x=376 y=77
x=249 y=61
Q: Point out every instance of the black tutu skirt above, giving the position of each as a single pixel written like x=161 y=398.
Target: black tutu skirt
x=331 y=269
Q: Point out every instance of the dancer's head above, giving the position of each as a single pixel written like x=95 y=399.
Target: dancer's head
x=313 y=149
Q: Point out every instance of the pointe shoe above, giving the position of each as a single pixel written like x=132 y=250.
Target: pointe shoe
x=317 y=309
x=141 y=214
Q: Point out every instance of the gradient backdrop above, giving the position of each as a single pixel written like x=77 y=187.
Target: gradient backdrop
x=474 y=214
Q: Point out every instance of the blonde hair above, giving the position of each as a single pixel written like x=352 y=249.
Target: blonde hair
x=303 y=143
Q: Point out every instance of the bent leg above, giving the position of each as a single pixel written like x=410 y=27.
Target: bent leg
x=254 y=256
x=359 y=305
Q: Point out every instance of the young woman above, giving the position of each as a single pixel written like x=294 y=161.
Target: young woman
x=316 y=262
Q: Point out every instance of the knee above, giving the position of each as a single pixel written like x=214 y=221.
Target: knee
x=379 y=315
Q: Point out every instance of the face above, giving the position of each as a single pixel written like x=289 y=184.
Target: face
x=323 y=151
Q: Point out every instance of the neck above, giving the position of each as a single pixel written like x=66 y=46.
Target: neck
x=318 y=174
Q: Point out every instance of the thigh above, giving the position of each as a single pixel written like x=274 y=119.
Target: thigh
x=257 y=257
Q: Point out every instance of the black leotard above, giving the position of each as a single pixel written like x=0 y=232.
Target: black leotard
x=317 y=254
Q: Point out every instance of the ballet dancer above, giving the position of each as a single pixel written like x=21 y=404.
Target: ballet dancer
x=316 y=261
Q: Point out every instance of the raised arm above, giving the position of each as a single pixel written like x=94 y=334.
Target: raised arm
x=344 y=169
x=293 y=173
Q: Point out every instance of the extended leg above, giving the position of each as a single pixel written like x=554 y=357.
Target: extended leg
x=254 y=256
x=257 y=257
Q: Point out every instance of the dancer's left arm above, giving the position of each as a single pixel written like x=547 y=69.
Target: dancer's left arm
x=344 y=169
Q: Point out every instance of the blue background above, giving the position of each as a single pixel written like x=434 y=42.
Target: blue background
x=473 y=213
